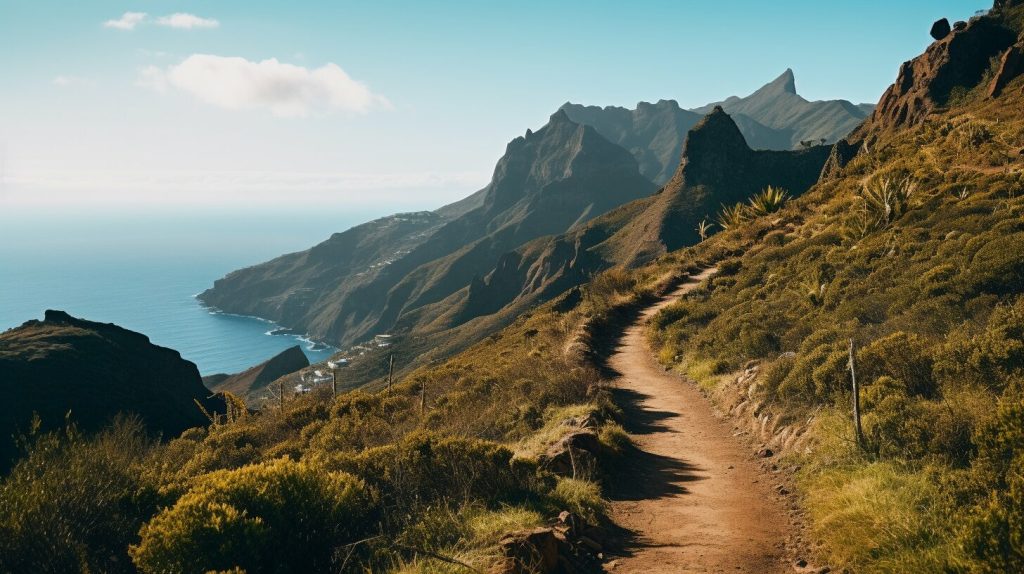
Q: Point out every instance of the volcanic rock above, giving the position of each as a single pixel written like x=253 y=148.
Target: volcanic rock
x=940 y=29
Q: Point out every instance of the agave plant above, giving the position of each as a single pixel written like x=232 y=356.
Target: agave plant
x=888 y=199
x=733 y=216
x=703 y=229
x=770 y=200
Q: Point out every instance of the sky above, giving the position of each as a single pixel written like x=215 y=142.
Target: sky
x=156 y=105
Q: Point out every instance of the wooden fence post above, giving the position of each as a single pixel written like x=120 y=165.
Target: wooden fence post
x=334 y=382
x=858 y=433
x=391 y=370
x=423 y=399
x=280 y=390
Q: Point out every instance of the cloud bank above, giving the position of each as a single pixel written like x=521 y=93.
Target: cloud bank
x=286 y=90
x=185 y=21
x=47 y=188
x=127 y=21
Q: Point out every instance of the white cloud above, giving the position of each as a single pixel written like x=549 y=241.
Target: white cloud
x=63 y=81
x=127 y=21
x=285 y=89
x=187 y=21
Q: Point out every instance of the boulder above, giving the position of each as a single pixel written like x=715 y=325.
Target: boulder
x=940 y=29
x=1010 y=66
x=573 y=454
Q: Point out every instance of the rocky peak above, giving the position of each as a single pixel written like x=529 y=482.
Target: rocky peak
x=550 y=154
x=712 y=146
x=786 y=83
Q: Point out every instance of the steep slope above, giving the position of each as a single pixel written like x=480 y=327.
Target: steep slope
x=547 y=182
x=902 y=268
x=256 y=378
x=777 y=106
x=93 y=371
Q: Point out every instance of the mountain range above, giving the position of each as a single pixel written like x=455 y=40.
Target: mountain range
x=571 y=199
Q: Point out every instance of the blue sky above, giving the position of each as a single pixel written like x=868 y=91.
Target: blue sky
x=405 y=102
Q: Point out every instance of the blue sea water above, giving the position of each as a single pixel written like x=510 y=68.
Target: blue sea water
x=143 y=270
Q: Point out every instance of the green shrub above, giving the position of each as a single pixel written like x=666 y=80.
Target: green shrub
x=74 y=504
x=989 y=358
x=279 y=516
x=997 y=267
x=424 y=468
x=896 y=424
x=995 y=534
x=902 y=356
x=614 y=438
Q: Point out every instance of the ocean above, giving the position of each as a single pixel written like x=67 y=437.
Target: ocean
x=142 y=271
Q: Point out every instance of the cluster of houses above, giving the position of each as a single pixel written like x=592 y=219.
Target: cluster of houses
x=311 y=378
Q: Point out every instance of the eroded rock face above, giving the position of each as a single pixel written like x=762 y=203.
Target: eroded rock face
x=1010 y=67
x=956 y=62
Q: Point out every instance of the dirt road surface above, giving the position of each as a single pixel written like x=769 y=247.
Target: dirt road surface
x=696 y=499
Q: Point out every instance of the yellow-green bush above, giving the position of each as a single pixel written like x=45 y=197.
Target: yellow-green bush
x=425 y=469
x=279 y=516
x=74 y=504
x=995 y=534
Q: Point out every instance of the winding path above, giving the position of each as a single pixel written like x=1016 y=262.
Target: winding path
x=695 y=499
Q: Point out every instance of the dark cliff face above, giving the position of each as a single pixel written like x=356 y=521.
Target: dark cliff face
x=94 y=371
x=548 y=182
x=256 y=378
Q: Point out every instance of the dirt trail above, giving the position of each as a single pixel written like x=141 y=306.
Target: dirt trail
x=696 y=499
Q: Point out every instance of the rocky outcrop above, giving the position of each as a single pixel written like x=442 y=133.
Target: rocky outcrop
x=841 y=154
x=256 y=378
x=569 y=546
x=1011 y=66
x=956 y=62
x=64 y=366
